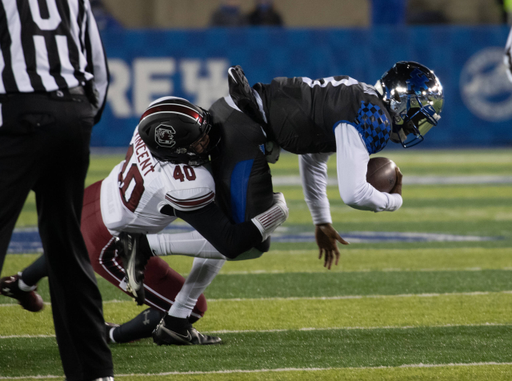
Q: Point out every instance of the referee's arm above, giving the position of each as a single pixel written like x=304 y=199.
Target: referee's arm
x=97 y=62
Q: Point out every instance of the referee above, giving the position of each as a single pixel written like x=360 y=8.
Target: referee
x=53 y=85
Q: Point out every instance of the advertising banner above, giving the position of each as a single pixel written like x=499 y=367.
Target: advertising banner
x=148 y=64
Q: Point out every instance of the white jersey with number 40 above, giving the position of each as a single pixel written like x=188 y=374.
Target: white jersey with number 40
x=140 y=186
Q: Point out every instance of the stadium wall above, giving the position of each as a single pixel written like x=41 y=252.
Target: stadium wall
x=147 y=64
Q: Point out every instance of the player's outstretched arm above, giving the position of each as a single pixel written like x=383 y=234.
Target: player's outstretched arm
x=327 y=239
x=230 y=239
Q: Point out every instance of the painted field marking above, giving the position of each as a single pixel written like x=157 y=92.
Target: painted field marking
x=306 y=329
x=413 y=180
x=241 y=371
x=27 y=240
x=341 y=297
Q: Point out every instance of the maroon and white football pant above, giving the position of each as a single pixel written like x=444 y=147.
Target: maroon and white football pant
x=161 y=282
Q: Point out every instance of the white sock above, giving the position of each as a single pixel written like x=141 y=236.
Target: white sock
x=191 y=244
x=25 y=287
x=111 y=334
x=201 y=275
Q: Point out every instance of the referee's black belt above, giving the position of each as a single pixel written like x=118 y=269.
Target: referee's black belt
x=59 y=93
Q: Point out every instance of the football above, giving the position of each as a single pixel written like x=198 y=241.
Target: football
x=381 y=173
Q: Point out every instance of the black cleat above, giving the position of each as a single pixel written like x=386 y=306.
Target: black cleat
x=134 y=259
x=242 y=94
x=163 y=335
x=29 y=300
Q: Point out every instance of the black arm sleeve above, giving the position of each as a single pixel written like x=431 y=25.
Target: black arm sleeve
x=229 y=239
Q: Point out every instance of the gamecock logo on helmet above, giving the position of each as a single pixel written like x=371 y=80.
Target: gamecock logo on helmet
x=164 y=135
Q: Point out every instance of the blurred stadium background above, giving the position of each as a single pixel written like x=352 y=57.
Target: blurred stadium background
x=423 y=293
x=163 y=47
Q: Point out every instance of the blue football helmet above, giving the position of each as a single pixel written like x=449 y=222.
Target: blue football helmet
x=415 y=98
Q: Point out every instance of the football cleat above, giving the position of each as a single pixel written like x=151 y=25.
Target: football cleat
x=134 y=259
x=29 y=300
x=163 y=335
x=242 y=94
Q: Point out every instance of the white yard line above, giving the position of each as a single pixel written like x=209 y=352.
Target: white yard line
x=426 y=295
x=341 y=297
x=305 y=329
x=413 y=180
x=241 y=371
x=388 y=270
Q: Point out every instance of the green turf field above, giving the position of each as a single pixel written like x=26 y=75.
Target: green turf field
x=438 y=309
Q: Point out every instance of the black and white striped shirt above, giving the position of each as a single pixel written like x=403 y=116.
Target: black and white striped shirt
x=47 y=45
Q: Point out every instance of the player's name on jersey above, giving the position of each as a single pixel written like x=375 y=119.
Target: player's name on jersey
x=143 y=157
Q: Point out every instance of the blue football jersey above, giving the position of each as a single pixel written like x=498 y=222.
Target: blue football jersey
x=303 y=113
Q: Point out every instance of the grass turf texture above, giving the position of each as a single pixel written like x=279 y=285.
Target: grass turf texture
x=395 y=310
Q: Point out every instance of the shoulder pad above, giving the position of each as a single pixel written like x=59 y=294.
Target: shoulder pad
x=374 y=126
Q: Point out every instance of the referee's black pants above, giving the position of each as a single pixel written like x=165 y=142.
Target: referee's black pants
x=44 y=147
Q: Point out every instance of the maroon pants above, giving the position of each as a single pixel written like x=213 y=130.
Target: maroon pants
x=161 y=282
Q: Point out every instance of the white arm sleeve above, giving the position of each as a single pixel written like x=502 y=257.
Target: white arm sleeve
x=192 y=244
x=313 y=172
x=352 y=162
x=99 y=64
x=508 y=55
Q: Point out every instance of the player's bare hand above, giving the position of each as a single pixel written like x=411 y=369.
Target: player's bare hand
x=327 y=239
x=398 y=185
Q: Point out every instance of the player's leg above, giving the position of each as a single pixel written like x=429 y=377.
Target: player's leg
x=23 y=286
x=77 y=304
x=176 y=327
x=243 y=190
x=138 y=328
x=19 y=166
x=12 y=202
x=242 y=176
x=161 y=285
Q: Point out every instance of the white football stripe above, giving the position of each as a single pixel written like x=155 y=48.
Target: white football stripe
x=413 y=180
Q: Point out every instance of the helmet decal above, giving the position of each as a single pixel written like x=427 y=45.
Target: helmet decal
x=171 y=125
x=164 y=135
x=418 y=81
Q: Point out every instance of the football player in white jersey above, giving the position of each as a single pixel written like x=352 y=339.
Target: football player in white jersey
x=508 y=55
x=315 y=118
x=157 y=183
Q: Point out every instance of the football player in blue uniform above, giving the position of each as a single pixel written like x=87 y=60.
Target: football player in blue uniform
x=508 y=55
x=315 y=118
x=311 y=118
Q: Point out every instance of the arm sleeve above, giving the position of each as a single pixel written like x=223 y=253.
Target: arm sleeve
x=313 y=173
x=352 y=163
x=97 y=62
x=508 y=55
x=229 y=239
